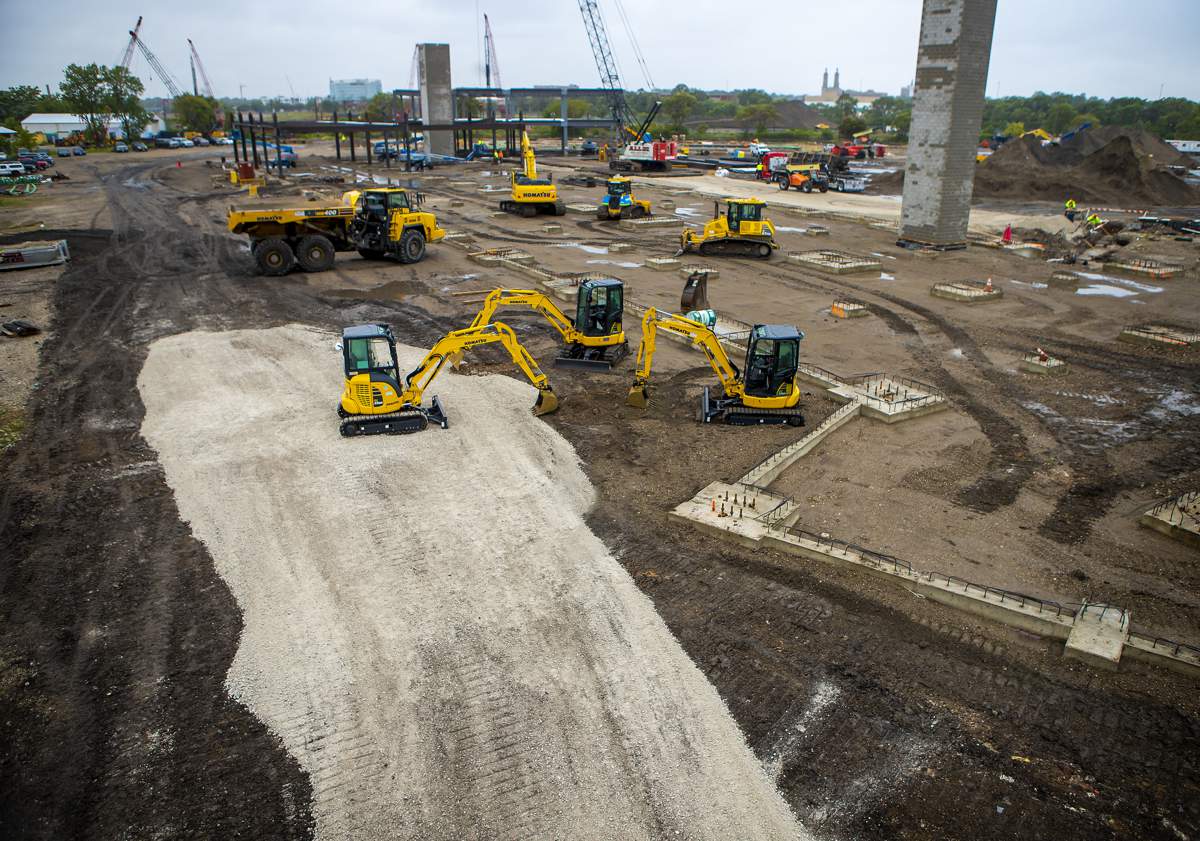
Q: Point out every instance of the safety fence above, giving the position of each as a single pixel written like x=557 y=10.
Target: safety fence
x=819 y=373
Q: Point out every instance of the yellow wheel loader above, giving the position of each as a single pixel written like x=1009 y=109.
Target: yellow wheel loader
x=766 y=392
x=594 y=340
x=740 y=231
x=379 y=222
x=375 y=401
x=619 y=202
x=532 y=195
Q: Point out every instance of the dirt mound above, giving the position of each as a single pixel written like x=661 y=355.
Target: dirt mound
x=1111 y=166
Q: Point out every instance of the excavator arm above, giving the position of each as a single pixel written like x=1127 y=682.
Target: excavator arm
x=456 y=342
x=701 y=337
x=533 y=299
x=527 y=159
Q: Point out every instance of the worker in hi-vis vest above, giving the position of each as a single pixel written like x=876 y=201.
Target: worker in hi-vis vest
x=1070 y=211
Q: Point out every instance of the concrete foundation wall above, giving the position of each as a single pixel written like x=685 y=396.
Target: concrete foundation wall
x=952 y=64
x=437 y=98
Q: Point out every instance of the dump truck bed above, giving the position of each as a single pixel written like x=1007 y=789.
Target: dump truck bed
x=313 y=216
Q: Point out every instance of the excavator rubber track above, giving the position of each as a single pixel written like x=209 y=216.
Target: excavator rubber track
x=585 y=358
x=735 y=413
x=395 y=423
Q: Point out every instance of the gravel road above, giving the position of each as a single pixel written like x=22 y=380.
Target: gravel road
x=430 y=626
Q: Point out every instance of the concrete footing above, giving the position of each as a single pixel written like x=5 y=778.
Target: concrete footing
x=1178 y=518
x=654 y=222
x=1160 y=335
x=834 y=262
x=552 y=228
x=662 y=264
x=588 y=209
x=1035 y=363
x=689 y=270
x=848 y=309
x=619 y=247
x=1153 y=269
x=1098 y=635
x=966 y=293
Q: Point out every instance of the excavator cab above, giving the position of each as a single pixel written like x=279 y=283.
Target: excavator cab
x=771 y=360
x=372 y=371
x=600 y=307
x=618 y=189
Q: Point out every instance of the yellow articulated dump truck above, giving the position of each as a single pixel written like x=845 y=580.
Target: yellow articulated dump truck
x=377 y=223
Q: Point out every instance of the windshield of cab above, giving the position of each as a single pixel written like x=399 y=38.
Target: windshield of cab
x=369 y=354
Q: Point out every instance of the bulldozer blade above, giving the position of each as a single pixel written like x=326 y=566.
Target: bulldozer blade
x=547 y=402
x=638 y=397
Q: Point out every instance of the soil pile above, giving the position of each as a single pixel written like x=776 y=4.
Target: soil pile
x=430 y=626
x=1111 y=166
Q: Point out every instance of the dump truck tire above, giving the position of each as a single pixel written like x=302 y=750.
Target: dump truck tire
x=412 y=246
x=274 y=256
x=315 y=253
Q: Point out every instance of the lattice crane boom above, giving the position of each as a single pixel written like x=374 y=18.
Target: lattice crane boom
x=128 y=57
x=606 y=64
x=156 y=66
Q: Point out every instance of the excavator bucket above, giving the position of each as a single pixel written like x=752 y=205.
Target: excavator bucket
x=639 y=396
x=547 y=402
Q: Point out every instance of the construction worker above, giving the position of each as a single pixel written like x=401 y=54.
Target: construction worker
x=1070 y=211
x=1094 y=220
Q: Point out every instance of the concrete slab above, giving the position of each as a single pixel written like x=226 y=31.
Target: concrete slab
x=1178 y=518
x=619 y=247
x=689 y=270
x=662 y=264
x=1155 y=269
x=1098 y=636
x=552 y=228
x=660 y=222
x=586 y=209
x=848 y=309
x=1160 y=335
x=1035 y=363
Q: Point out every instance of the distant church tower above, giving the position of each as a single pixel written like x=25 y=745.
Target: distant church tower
x=825 y=81
x=837 y=79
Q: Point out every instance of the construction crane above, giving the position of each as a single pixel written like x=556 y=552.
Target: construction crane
x=490 y=63
x=606 y=64
x=197 y=64
x=128 y=57
x=155 y=64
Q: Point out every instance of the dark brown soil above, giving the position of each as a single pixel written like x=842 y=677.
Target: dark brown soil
x=117 y=631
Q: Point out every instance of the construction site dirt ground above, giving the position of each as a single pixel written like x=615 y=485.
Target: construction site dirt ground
x=877 y=714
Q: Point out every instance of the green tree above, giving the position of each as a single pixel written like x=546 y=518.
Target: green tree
x=124 y=101
x=1014 y=130
x=384 y=104
x=850 y=126
x=85 y=89
x=1059 y=117
x=197 y=113
x=17 y=103
x=678 y=107
x=846 y=105
x=753 y=96
x=756 y=116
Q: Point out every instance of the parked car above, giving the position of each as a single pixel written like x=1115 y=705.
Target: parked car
x=140 y=147
x=188 y=144
x=9 y=169
x=78 y=152
x=33 y=164
x=120 y=147
x=201 y=141
x=64 y=151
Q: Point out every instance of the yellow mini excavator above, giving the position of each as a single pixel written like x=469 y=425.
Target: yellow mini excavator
x=740 y=231
x=595 y=340
x=532 y=195
x=375 y=402
x=765 y=393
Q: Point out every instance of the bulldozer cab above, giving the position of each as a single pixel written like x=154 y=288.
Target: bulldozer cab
x=370 y=349
x=619 y=187
x=600 y=306
x=743 y=211
x=771 y=360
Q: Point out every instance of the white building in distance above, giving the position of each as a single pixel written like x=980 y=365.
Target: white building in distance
x=354 y=90
x=63 y=125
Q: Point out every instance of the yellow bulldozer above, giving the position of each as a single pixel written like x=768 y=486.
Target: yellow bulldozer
x=740 y=231
x=374 y=399
x=532 y=195
x=620 y=203
x=765 y=392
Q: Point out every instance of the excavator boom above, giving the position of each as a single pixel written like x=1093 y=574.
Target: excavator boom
x=701 y=336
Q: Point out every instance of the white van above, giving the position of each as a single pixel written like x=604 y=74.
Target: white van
x=11 y=168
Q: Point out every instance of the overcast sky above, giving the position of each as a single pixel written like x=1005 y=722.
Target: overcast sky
x=1100 y=47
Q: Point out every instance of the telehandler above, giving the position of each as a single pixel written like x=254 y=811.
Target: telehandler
x=375 y=402
x=379 y=222
x=595 y=340
x=619 y=203
x=765 y=393
x=742 y=230
x=532 y=195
